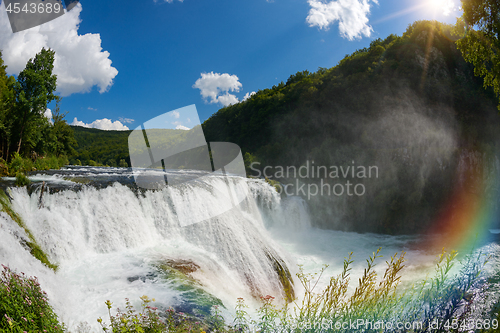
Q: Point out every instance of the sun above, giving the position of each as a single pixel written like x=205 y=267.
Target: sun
x=443 y=7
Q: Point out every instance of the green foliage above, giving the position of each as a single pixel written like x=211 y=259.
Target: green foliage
x=481 y=47
x=62 y=140
x=484 y=14
x=241 y=319
x=34 y=89
x=18 y=164
x=24 y=306
x=148 y=320
x=24 y=130
x=437 y=299
x=483 y=52
x=22 y=180
x=248 y=159
x=6 y=106
x=276 y=184
x=50 y=162
x=31 y=244
x=267 y=315
x=4 y=168
x=375 y=299
x=100 y=146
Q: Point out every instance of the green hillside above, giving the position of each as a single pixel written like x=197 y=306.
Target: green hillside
x=111 y=147
x=102 y=147
x=408 y=106
x=274 y=123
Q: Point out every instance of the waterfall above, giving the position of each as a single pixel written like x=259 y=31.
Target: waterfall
x=110 y=243
x=113 y=241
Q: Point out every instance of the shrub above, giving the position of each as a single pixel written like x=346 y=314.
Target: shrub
x=22 y=180
x=52 y=162
x=62 y=161
x=4 y=168
x=41 y=164
x=17 y=164
x=24 y=306
x=148 y=320
x=241 y=320
x=276 y=184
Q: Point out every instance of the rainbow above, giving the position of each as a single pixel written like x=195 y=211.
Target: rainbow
x=470 y=217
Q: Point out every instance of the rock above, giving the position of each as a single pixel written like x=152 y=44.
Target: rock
x=182 y=265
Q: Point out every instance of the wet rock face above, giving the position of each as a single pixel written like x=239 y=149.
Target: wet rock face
x=182 y=265
x=149 y=276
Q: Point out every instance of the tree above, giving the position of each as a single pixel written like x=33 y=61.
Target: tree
x=34 y=89
x=6 y=108
x=481 y=46
x=63 y=134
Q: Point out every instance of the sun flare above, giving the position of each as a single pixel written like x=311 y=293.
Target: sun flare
x=441 y=6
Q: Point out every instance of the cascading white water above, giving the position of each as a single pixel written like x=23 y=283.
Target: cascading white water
x=110 y=243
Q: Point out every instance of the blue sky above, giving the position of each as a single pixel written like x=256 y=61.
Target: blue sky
x=121 y=63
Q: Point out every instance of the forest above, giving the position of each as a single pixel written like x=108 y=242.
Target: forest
x=97 y=147
x=32 y=136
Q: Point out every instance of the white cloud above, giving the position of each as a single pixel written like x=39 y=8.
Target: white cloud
x=80 y=63
x=48 y=115
x=248 y=95
x=352 y=16
x=102 y=124
x=175 y=114
x=91 y=109
x=178 y=125
x=228 y=99
x=126 y=120
x=216 y=87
